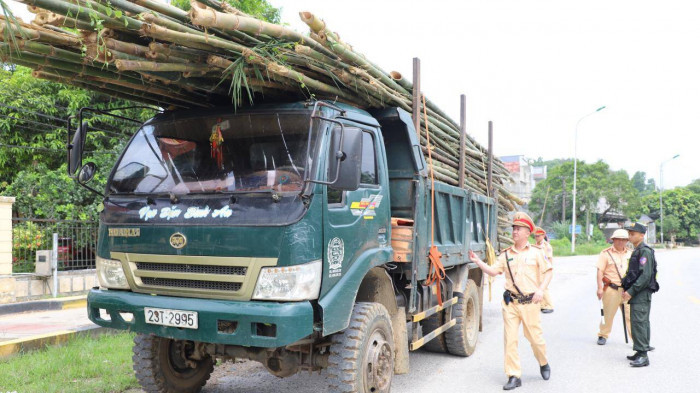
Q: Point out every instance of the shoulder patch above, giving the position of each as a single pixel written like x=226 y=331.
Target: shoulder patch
x=642 y=261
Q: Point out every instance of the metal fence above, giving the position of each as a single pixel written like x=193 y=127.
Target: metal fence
x=77 y=242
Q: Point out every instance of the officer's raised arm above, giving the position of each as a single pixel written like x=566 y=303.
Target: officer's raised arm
x=482 y=265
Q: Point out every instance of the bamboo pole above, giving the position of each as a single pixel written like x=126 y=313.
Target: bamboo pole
x=134 y=65
x=202 y=15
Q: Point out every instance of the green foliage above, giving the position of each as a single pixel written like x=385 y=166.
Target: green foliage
x=672 y=225
x=44 y=193
x=594 y=181
x=562 y=247
x=598 y=236
x=260 y=9
x=33 y=139
x=27 y=237
x=642 y=184
x=695 y=186
x=560 y=229
x=84 y=364
x=683 y=204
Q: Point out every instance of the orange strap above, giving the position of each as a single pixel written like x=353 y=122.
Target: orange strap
x=437 y=272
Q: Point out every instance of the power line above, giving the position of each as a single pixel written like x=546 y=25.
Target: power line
x=39 y=114
x=63 y=121
x=31 y=148
x=63 y=127
x=48 y=149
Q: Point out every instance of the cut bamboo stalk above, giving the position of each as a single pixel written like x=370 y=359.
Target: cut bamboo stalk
x=37 y=33
x=197 y=41
x=135 y=96
x=202 y=15
x=134 y=65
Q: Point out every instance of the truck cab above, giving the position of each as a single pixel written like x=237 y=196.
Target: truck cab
x=285 y=234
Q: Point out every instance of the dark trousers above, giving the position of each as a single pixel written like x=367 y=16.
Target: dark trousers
x=639 y=316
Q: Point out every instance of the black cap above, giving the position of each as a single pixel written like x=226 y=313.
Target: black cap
x=637 y=227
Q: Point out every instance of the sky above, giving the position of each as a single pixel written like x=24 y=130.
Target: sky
x=535 y=68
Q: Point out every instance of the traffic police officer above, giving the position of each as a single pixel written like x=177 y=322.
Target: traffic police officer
x=612 y=262
x=639 y=283
x=528 y=272
x=541 y=241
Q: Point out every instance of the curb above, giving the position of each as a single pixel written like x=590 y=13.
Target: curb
x=62 y=303
x=19 y=346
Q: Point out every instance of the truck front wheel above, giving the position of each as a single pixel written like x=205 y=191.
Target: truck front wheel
x=362 y=356
x=461 y=338
x=163 y=365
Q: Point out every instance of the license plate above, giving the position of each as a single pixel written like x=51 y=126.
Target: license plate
x=174 y=318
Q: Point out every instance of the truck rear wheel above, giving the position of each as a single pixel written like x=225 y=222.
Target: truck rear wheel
x=362 y=356
x=162 y=365
x=461 y=338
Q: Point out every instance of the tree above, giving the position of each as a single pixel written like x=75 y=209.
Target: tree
x=33 y=138
x=680 y=203
x=642 y=184
x=685 y=205
x=695 y=186
x=672 y=226
x=594 y=181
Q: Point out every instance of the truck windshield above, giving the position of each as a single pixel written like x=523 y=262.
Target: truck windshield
x=234 y=153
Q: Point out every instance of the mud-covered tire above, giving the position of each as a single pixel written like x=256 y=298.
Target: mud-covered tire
x=159 y=368
x=429 y=324
x=362 y=356
x=462 y=337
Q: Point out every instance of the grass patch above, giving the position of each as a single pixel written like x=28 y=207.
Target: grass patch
x=84 y=364
x=562 y=247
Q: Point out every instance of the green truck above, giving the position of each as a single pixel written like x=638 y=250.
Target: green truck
x=296 y=235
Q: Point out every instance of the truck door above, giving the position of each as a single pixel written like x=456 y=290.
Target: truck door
x=356 y=222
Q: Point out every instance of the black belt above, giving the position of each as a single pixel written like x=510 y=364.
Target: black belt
x=522 y=299
x=614 y=286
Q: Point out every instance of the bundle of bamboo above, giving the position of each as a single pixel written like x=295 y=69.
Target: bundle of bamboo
x=155 y=53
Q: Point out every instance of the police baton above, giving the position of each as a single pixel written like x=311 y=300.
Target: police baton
x=624 y=322
x=602 y=315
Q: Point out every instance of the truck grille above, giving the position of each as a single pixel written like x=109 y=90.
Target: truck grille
x=180 y=268
x=199 y=276
x=194 y=284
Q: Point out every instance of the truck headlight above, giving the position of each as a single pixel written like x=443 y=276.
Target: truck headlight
x=110 y=273
x=300 y=282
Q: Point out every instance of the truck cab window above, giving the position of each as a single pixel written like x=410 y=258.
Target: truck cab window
x=256 y=152
x=369 y=160
x=368 y=171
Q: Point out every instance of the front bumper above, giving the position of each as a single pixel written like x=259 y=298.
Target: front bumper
x=292 y=321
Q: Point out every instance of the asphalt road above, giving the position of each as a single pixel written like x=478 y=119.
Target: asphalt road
x=578 y=363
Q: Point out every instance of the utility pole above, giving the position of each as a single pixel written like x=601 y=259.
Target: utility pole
x=563 y=198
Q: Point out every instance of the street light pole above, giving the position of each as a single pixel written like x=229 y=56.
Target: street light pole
x=661 y=193
x=573 y=211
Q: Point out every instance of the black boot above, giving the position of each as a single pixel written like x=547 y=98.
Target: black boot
x=641 y=361
x=545 y=371
x=602 y=340
x=513 y=382
x=633 y=357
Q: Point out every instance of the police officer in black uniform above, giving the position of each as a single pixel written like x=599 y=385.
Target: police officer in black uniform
x=639 y=283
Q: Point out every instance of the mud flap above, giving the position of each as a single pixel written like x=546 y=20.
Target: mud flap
x=398 y=322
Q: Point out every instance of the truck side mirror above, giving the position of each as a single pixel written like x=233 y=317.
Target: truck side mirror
x=75 y=149
x=345 y=158
x=87 y=172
